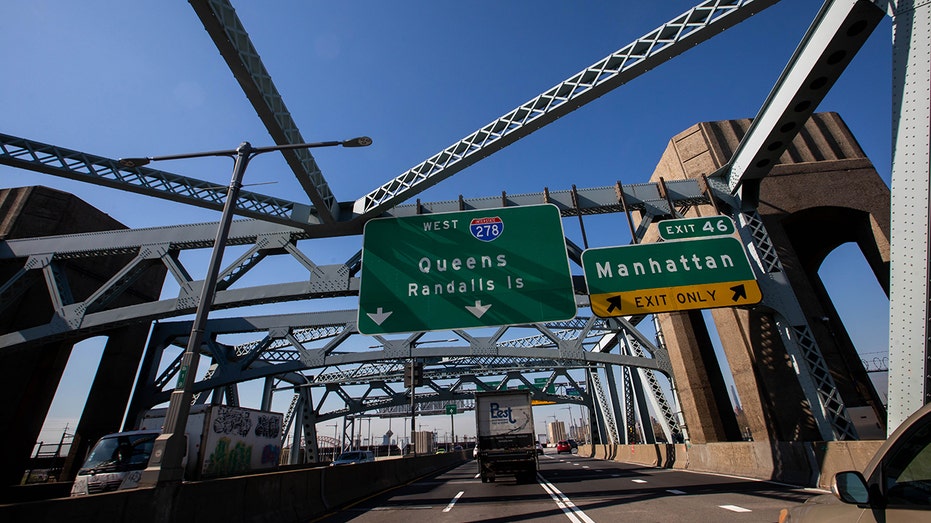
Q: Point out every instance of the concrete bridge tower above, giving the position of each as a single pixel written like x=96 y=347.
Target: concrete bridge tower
x=823 y=193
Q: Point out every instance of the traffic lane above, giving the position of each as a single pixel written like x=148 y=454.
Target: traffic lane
x=412 y=503
x=607 y=491
x=437 y=499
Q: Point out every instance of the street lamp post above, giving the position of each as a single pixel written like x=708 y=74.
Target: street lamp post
x=335 y=426
x=584 y=432
x=571 y=423
x=406 y=440
x=168 y=451
x=413 y=405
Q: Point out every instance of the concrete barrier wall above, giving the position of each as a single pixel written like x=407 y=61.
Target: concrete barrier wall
x=811 y=464
x=648 y=455
x=839 y=456
x=785 y=462
x=279 y=497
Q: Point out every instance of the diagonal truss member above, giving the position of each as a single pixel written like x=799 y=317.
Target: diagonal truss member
x=232 y=40
x=36 y=156
x=669 y=40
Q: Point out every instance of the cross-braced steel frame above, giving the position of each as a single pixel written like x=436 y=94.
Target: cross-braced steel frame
x=294 y=345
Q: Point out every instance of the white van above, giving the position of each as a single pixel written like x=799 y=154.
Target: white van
x=115 y=463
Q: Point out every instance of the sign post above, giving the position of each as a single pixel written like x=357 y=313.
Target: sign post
x=669 y=276
x=464 y=269
x=451 y=410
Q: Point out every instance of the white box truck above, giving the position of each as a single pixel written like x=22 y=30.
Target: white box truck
x=221 y=441
x=506 y=438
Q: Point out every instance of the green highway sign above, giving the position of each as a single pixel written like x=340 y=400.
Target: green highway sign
x=456 y=270
x=538 y=383
x=669 y=276
x=451 y=409
x=696 y=227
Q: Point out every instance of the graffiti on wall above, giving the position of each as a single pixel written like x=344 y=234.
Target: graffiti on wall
x=268 y=426
x=232 y=421
x=227 y=459
x=271 y=454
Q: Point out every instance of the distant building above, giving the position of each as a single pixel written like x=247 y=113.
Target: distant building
x=556 y=431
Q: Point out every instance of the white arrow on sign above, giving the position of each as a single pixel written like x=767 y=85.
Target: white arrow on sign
x=478 y=310
x=378 y=316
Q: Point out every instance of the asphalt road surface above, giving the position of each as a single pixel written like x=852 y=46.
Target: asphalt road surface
x=577 y=489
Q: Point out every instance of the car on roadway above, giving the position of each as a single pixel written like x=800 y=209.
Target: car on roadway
x=539 y=448
x=563 y=446
x=894 y=486
x=354 y=456
x=572 y=443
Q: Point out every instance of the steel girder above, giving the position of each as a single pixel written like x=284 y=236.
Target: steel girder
x=910 y=278
x=564 y=98
x=449 y=369
x=667 y=41
x=98 y=170
x=232 y=40
x=380 y=396
x=836 y=35
x=828 y=408
x=839 y=30
x=657 y=398
x=164 y=245
x=321 y=341
x=220 y=20
x=649 y=198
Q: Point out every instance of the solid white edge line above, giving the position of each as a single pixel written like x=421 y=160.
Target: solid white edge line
x=562 y=501
x=559 y=502
x=779 y=483
x=453 y=502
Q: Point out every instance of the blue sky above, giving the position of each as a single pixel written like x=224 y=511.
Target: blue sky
x=141 y=78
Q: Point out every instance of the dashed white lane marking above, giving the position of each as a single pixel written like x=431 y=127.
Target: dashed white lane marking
x=571 y=511
x=734 y=508
x=585 y=466
x=638 y=480
x=675 y=491
x=453 y=502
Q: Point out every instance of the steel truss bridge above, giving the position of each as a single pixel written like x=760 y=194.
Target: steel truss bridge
x=315 y=355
